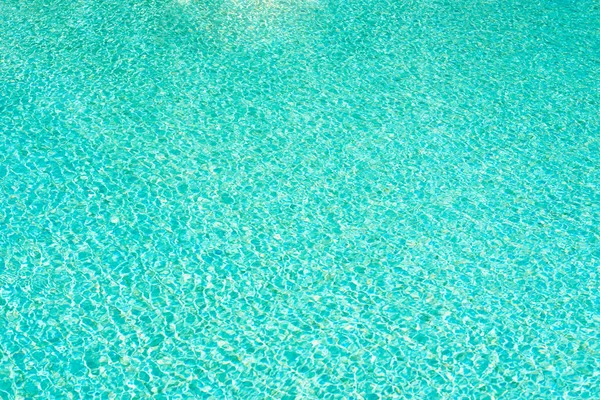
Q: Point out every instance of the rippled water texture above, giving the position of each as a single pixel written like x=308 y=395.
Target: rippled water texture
x=299 y=199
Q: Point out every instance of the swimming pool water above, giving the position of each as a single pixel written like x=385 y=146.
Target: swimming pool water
x=307 y=199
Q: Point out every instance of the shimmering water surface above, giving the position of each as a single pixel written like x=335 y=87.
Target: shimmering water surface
x=299 y=199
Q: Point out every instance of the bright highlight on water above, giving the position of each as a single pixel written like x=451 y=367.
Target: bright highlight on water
x=308 y=199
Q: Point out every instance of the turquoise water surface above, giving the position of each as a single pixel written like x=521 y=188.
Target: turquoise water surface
x=299 y=199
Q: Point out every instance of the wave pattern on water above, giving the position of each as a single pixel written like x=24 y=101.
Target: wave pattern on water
x=309 y=199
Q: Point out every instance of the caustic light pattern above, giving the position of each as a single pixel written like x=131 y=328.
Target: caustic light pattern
x=307 y=199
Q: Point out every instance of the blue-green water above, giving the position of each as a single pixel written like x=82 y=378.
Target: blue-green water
x=307 y=199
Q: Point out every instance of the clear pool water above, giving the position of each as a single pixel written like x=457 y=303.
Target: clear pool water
x=299 y=199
